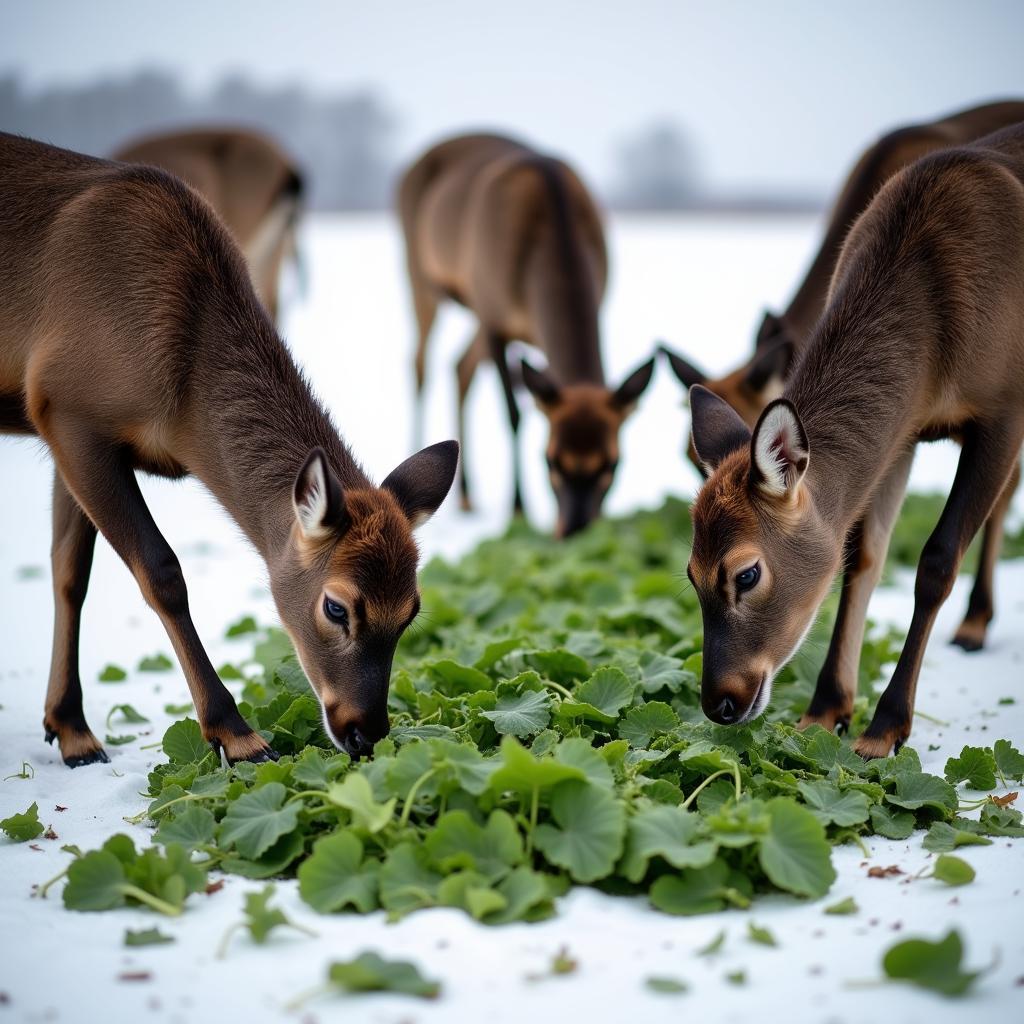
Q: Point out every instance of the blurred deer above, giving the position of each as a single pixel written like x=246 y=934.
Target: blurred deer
x=131 y=339
x=922 y=338
x=514 y=236
x=781 y=339
x=255 y=188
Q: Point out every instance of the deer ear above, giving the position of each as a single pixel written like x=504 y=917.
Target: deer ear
x=771 y=330
x=422 y=481
x=541 y=385
x=769 y=365
x=715 y=426
x=318 y=499
x=687 y=373
x=629 y=391
x=779 y=452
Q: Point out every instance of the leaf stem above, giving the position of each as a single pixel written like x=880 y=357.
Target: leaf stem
x=930 y=718
x=43 y=889
x=304 y=997
x=734 y=771
x=137 y=819
x=411 y=798
x=534 y=806
x=308 y=792
x=151 y=901
x=558 y=688
x=222 y=948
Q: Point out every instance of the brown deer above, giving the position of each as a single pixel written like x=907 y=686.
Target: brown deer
x=514 y=236
x=922 y=337
x=131 y=338
x=750 y=387
x=254 y=186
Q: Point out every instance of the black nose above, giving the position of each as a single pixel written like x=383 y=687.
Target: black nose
x=725 y=712
x=355 y=742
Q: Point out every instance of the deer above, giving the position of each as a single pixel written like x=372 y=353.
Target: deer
x=513 y=235
x=922 y=337
x=131 y=339
x=781 y=338
x=254 y=186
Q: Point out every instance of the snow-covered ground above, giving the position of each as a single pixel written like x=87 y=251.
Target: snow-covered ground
x=698 y=283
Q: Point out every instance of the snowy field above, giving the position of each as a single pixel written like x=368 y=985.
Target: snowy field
x=698 y=283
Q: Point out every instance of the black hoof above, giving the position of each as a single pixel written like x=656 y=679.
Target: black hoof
x=49 y=735
x=96 y=757
x=842 y=726
x=968 y=644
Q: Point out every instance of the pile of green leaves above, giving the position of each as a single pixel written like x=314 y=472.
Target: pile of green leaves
x=546 y=732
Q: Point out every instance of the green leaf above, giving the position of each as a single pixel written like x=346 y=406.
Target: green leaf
x=794 y=853
x=664 y=985
x=95 y=882
x=714 y=946
x=1009 y=760
x=155 y=663
x=335 y=876
x=944 y=838
x=258 y=819
x=641 y=724
x=560 y=665
x=521 y=714
x=527 y=897
x=472 y=893
x=847 y=906
x=24 y=826
x=407 y=882
x=492 y=850
x=113 y=674
x=261 y=918
x=976 y=766
x=192 y=827
x=932 y=965
x=146 y=937
x=369 y=972
x=760 y=935
x=832 y=807
x=184 y=743
x=588 y=835
x=246 y=624
x=128 y=713
x=697 y=891
x=521 y=772
x=460 y=678
x=668 y=832
x=915 y=790
x=355 y=794
x=953 y=870
x=890 y=823
x=608 y=690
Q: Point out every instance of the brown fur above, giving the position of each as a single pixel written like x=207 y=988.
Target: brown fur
x=131 y=338
x=780 y=339
x=515 y=237
x=251 y=183
x=923 y=337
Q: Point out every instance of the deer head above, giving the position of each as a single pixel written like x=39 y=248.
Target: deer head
x=345 y=586
x=763 y=558
x=583 y=444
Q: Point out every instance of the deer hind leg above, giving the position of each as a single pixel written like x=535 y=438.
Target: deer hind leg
x=465 y=369
x=101 y=479
x=425 y=301
x=980 y=607
x=986 y=462
x=497 y=346
x=866 y=547
x=74 y=540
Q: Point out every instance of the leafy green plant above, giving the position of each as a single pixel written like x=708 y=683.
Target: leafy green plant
x=370 y=972
x=23 y=827
x=155 y=663
x=932 y=965
x=113 y=674
x=260 y=920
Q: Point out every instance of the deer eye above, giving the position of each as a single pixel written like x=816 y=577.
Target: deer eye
x=336 y=612
x=747 y=579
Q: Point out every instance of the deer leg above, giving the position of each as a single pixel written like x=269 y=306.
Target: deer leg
x=866 y=547
x=465 y=369
x=497 y=346
x=100 y=477
x=980 y=607
x=425 y=303
x=986 y=462
x=74 y=540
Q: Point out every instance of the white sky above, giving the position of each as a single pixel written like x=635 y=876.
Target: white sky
x=773 y=94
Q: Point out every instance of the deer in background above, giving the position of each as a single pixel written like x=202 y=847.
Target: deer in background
x=780 y=339
x=131 y=338
x=252 y=184
x=514 y=236
x=922 y=337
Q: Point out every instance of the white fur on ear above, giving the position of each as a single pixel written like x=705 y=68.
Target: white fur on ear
x=311 y=498
x=779 y=450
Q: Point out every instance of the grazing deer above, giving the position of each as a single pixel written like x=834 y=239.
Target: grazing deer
x=514 y=236
x=131 y=338
x=248 y=180
x=750 y=387
x=922 y=337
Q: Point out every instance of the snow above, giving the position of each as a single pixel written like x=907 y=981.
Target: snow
x=699 y=283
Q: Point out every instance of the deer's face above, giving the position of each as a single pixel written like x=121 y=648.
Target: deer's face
x=762 y=559
x=748 y=389
x=346 y=586
x=583 y=443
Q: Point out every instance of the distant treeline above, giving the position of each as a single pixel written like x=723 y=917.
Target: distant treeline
x=345 y=144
